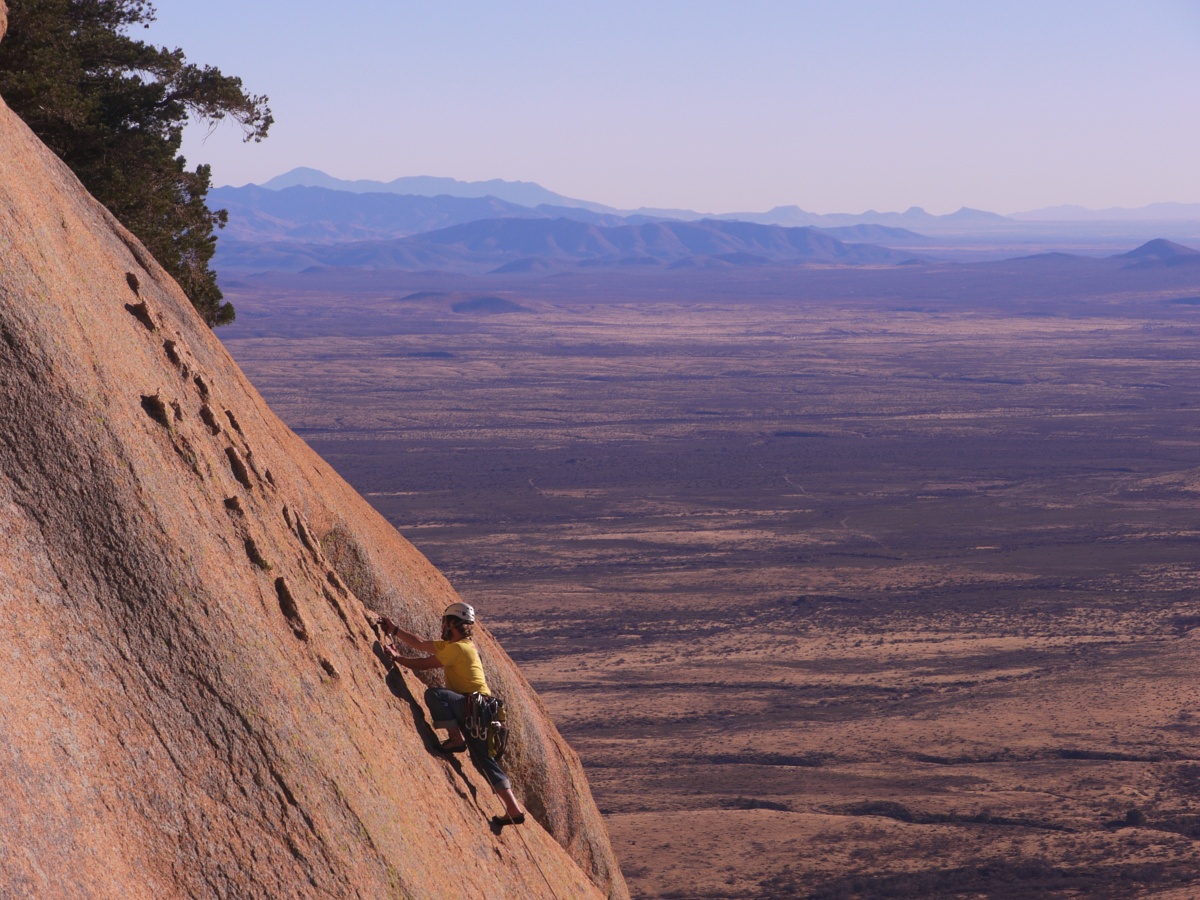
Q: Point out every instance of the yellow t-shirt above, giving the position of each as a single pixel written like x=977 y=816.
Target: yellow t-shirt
x=464 y=672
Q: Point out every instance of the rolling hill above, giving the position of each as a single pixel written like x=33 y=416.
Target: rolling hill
x=1161 y=251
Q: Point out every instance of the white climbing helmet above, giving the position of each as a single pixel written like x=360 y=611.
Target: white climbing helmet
x=463 y=611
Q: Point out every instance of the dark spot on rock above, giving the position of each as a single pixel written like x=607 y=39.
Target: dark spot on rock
x=132 y=281
x=209 y=418
x=252 y=464
x=233 y=504
x=253 y=554
x=178 y=410
x=291 y=612
x=309 y=540
x=233 y=421
x=172 y=351
x=140 y=256
x=330 y=668
x=156 y=409
x=304 y=536
x=238 y=467
x=337 y=607
x=185 y=450
x=10 y=339
x=270 y=477
x=141 y=312
x=201 y=386
x=287 y=517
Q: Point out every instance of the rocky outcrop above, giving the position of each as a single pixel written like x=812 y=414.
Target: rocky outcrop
x=189 y=702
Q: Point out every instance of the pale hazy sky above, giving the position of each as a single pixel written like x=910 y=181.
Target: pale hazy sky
x=835 y=106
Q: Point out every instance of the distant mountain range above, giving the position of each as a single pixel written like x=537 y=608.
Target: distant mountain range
x=256 y=208
x=323 y=215
x=522 y=193
x=307 y=218
x=320 y=215
x=532 y=244
x=531 y=195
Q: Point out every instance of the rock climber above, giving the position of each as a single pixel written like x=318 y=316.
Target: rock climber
x=456 y=653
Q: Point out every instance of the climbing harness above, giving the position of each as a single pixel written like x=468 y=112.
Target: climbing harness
x=486 y=720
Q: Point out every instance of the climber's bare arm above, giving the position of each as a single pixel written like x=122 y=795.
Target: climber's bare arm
x=417 y=664
x=391 y=628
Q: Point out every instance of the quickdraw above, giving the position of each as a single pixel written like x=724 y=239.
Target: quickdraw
x=486 y=720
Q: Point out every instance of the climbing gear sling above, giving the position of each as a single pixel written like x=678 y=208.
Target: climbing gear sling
x=486 y=720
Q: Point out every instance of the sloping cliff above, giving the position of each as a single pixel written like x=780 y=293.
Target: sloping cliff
x=189 y=702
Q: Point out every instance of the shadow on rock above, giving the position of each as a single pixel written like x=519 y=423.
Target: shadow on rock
x=398 y=687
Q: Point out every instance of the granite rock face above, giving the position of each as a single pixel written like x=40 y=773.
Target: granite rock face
x=189 y=702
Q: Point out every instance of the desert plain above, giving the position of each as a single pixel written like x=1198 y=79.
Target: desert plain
x=843 y=583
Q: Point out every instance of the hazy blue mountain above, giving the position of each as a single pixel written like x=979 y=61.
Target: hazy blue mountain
x=1161 y=251
x=322 y=214
x=530 y=195
x=532 y=244
x=316 y=214
x=666 y=241
x=524 y=193
x=1158 y=252
x=644 y=214
x=1116 y=223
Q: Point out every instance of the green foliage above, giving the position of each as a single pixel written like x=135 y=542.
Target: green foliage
x=113 y=109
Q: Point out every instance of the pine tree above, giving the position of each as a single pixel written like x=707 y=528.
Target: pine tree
x=113 y=108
